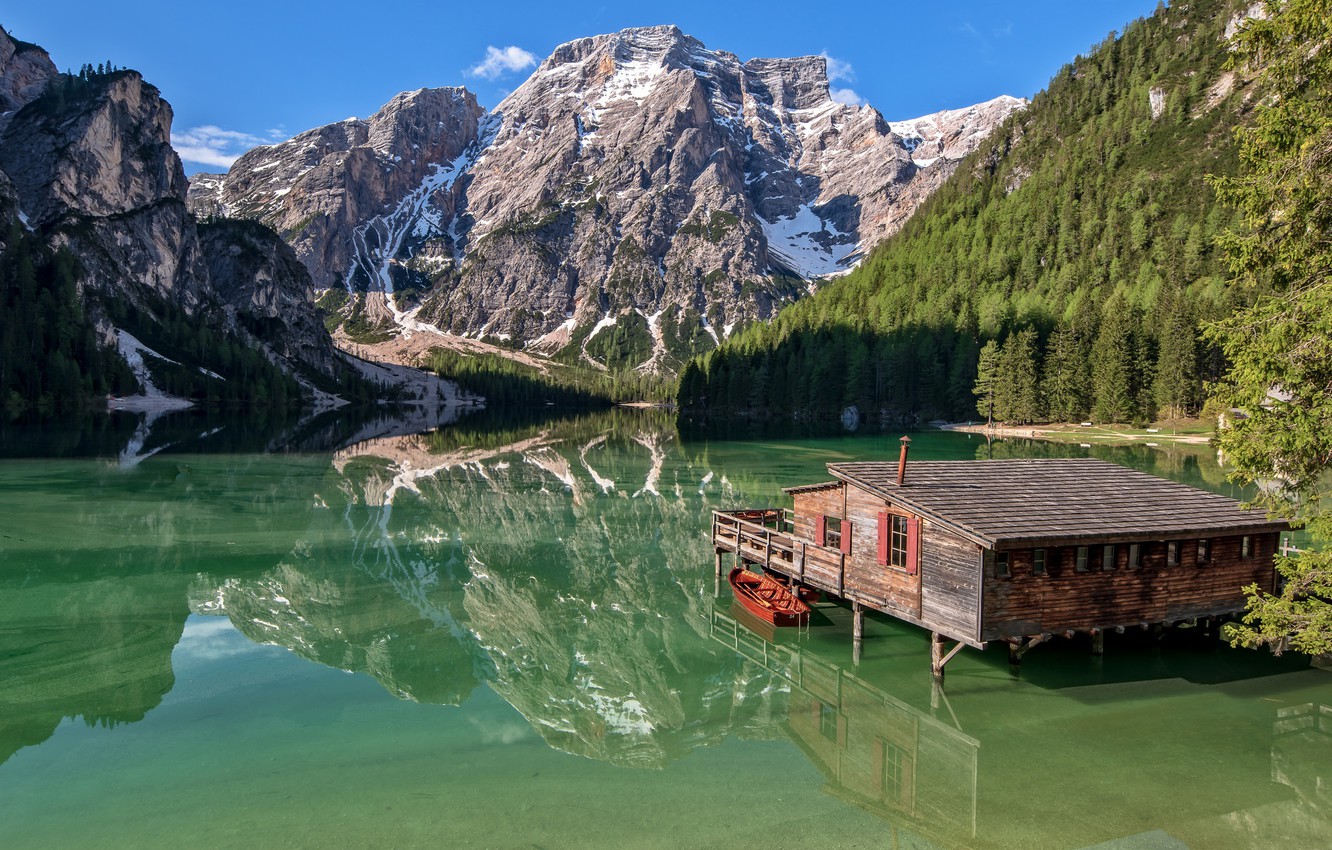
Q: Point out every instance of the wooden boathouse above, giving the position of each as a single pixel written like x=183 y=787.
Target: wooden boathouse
x=1010 y=550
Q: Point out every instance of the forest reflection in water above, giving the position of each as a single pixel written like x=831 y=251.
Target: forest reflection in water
x=564 y=567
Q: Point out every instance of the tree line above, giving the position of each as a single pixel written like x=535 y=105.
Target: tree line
x=1062 y=272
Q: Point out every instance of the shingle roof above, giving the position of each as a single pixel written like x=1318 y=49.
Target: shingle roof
x=810 y=488
x=996 y=501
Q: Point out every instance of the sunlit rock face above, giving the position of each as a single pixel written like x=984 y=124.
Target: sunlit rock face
x=637 y=181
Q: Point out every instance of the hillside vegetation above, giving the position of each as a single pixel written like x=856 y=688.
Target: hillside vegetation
x=1072 y=259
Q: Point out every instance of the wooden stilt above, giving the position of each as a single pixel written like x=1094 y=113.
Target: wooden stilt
x=1014 y=653
x=719 y=563
x=857 y=630
x=937 y=654
x=1098 y=642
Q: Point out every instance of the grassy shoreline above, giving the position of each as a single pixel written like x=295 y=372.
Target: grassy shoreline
x=1185 y=431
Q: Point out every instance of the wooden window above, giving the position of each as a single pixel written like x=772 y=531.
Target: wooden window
x=1002 y=569
x=1107 y=558
x=832 y=532
x=897 y=554
x=1172 y=553
x=1084 y=555
x=890 y=758
x=1134 y=556
x=828 y=721
x=1038 y=562
x=1204 y=551
x=1246 y=546
x=899 y=541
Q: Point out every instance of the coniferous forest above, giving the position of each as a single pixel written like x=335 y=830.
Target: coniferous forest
x=1062 y=273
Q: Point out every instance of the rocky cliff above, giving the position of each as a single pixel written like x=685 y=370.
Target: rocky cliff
x=86 y=164
x=635 y=199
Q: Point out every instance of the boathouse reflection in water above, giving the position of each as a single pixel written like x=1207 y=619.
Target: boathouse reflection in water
x=921 y=772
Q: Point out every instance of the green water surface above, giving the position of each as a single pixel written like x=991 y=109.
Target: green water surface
x=513 y=638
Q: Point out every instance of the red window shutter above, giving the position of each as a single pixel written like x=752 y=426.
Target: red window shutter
x=913 y=544
x=846 y=537
x=821 y=530
x=884 y=538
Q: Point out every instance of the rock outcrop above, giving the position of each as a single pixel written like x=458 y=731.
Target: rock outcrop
x=636 y=198
x=87 y=165
x=25 y=69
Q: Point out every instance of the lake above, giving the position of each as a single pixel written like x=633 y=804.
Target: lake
x=510 y=636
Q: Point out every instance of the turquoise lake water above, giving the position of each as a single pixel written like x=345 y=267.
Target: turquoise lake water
x=513 y=638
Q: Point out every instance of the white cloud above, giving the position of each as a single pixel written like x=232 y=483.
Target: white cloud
x=838 y=70
x=211 y=145
x=847 y=96
x=501 y=61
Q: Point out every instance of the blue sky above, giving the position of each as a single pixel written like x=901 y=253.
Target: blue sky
x=249 y=72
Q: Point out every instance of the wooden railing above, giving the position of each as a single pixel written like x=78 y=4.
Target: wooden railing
x=762 y=537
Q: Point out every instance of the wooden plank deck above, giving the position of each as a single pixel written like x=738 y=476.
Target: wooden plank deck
x=758 y=537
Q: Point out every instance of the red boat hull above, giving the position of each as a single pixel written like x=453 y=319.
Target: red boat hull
x=768 y=599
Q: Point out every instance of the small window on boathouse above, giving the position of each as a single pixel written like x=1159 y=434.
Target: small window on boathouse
x=1107 y=557
x=1002 y=569
x=1134 y=556
x=897 y=553
x=1204 y=551
x=1038 y=562
x=1246 y=546
x=1172 y=553
x=834 y=533
x=1084 y=554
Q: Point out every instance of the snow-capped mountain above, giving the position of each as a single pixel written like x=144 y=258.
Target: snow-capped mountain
x=637 y=181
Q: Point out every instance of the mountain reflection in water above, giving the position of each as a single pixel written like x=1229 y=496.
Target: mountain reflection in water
x=565 y=567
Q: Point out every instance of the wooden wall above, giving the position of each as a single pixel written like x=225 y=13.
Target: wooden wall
x=898 y=589
x=1065 y=599
x=950 y=579
x=809 y=505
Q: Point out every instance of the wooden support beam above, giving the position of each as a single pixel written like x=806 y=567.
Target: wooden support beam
x=1098 y=642
x=857 y=621
x=719 y=563
x=938 y=658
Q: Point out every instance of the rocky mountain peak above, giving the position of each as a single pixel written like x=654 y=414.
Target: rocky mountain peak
x=25 y=69
x=789 y=84
x=657 y=45
x=638 y=185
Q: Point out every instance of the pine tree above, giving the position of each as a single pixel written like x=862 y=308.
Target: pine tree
x=987 y=374
x=1176 y=384
x=1065 y=376
x=1280 y=347
x=1113 y=356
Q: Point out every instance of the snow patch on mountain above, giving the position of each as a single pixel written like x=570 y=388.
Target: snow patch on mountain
x=808 y=245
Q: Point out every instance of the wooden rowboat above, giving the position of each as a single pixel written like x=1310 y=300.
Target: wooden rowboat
x=768 y=599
